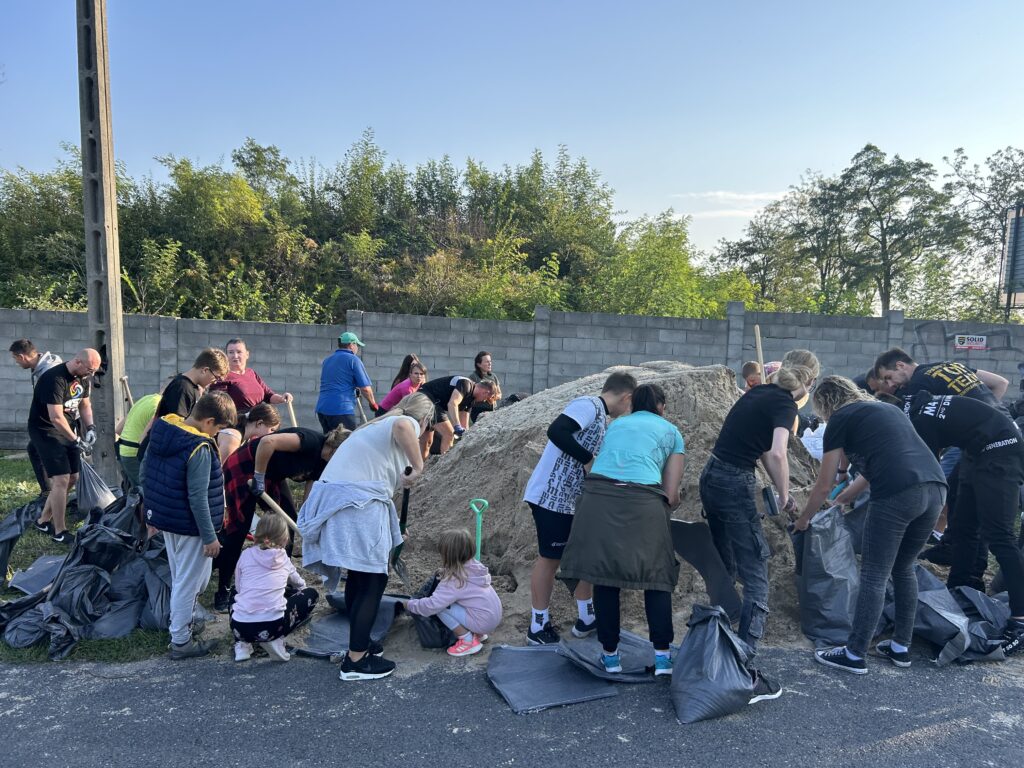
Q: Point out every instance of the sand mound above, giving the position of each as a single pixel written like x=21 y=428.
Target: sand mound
x=496 y=457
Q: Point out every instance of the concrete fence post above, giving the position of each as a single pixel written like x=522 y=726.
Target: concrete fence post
x=896 y=321
x=541 y=346
x=736 y=318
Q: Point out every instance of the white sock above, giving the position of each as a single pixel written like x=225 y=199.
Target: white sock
x=466 y=638
x=539 y=619
x=665 y=654
x=897 y=647
x=586 y=610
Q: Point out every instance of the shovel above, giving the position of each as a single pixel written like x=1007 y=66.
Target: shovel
x=362 y=413
x=479 y=506
x=291 y=413
x=273 y=507
x=396 y=555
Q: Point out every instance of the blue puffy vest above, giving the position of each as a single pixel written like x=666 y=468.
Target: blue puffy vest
x=165 y=484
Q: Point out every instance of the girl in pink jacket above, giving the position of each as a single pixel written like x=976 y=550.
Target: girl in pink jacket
x=464 y=599
x=271 y=599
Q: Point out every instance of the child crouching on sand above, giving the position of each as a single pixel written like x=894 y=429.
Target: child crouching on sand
x=265 y=611
x=464 y=599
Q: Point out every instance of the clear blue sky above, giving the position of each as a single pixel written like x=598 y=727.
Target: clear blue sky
x=706 y=107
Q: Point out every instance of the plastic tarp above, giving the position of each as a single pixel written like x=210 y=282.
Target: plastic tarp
x=827 y=579
x=11 y=528
x=535 y=678
x=40 y=574
x=636 y=653
x=92 y=492
x=328 y=637
x=709 y=676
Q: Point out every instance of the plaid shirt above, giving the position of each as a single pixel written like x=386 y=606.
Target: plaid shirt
x=240 y=503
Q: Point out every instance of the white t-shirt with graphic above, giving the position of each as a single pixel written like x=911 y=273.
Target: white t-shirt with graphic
x=557 y=480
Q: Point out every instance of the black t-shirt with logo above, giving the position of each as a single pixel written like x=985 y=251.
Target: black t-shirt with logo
x=883 y=444
x=964 y=422
x=440 y=391
x=57 y=387
x=950 y=378
x=305 y=464
x=749 y=429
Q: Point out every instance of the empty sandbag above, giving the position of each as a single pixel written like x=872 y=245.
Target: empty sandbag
x=91 y=492
x=328 y=637
x=430 y=630
x=828 y=579
x=987 y=618
x=534 y=678
x=40 y=574
x=709 y=676
x=11 y=529
x=636 y=654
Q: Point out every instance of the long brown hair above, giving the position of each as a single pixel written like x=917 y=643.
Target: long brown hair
x=456 y=548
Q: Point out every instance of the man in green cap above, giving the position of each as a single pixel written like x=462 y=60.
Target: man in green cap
x=341 y=375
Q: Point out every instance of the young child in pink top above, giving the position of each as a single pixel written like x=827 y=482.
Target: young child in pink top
x=464 y=599
x=417 y=376
x=271 y=598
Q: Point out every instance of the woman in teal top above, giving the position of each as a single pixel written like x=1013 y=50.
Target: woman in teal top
x=621 y=536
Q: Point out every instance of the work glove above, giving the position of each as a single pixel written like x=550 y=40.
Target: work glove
x=259 y=483
x=459 y=430
x=90 y=437
x=84 y=447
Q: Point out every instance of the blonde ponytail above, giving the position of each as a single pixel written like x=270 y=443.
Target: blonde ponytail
x=799 y=368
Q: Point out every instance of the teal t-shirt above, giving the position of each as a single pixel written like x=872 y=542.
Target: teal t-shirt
x=636 y=448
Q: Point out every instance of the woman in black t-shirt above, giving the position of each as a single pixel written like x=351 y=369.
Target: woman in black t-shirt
x=758 y=427
x=908 y=489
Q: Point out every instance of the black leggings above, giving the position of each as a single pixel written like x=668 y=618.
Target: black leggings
x=231 y=544
x=657 y=606
x=363 y=592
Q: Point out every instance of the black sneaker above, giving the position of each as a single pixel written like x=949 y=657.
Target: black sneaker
x=367 y=668
x=837 y=658
x=191 y=650
x=221 y=601
x=579 y=629
x=764 y=688
x=375 y=649
x=900 y=659
x=64 y=537
x=46 y=527
x=1013 y=638
x=934 y=539
x=547 y=636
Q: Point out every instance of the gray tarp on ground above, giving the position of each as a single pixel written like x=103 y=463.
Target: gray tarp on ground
x=637 y=657
x=328 y=637
x=538 y=677
x=827 y=578
x=38 y=575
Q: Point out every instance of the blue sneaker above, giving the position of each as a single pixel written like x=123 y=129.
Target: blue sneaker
x=662 y=665
x=611 y=663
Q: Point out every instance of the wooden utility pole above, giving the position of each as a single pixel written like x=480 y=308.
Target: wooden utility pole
x=102 y=258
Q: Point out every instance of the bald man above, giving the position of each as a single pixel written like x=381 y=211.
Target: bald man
x=60 y=406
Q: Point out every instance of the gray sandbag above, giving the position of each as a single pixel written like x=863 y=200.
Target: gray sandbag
x=534 y=678
x=710 y=677
x=636 y=653
x=828 y=580
x=78 y=597
x=156 y=614
x=926 y=582
x=15 y=608
x=855 y=521
x=106 y=548
x=328 y=637
x=119 y=620
x=91 y=492
x=987 y=618
x=27 y=629
x=941 y=622
x=430 y=630
x=40 y=574
x=11 y=529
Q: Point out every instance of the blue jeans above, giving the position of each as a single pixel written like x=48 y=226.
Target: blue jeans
x=895 y=532
x=727 y=495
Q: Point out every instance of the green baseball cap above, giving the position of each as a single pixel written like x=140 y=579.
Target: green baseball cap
x=350 y=338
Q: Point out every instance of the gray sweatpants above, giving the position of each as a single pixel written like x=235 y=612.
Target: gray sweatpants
x=190 y=573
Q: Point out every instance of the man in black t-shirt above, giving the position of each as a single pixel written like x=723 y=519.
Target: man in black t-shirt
x=451 y=395
x=60 y=406
x=944 y=378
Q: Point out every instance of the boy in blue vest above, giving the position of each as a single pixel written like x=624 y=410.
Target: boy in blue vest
x=183 y=488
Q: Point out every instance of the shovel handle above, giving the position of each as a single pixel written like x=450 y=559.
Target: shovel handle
x=291 y=413
x=479 y=506
x=274 y=507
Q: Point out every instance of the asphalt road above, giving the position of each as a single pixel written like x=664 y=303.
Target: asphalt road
x=210 y=712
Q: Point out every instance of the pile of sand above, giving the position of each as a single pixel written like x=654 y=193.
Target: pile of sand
x=494 y=461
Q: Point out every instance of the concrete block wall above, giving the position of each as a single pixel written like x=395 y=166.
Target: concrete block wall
x=530 y=356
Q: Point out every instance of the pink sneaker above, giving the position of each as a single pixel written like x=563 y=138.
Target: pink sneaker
x=482 y=638
x=465 y=648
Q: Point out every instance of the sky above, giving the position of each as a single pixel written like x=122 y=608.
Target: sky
x=709 y=108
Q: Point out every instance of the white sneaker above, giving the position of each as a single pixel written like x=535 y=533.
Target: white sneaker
x=276 y=649
x=243 y=651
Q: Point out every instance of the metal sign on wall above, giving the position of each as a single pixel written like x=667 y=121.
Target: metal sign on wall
x=969 y=341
